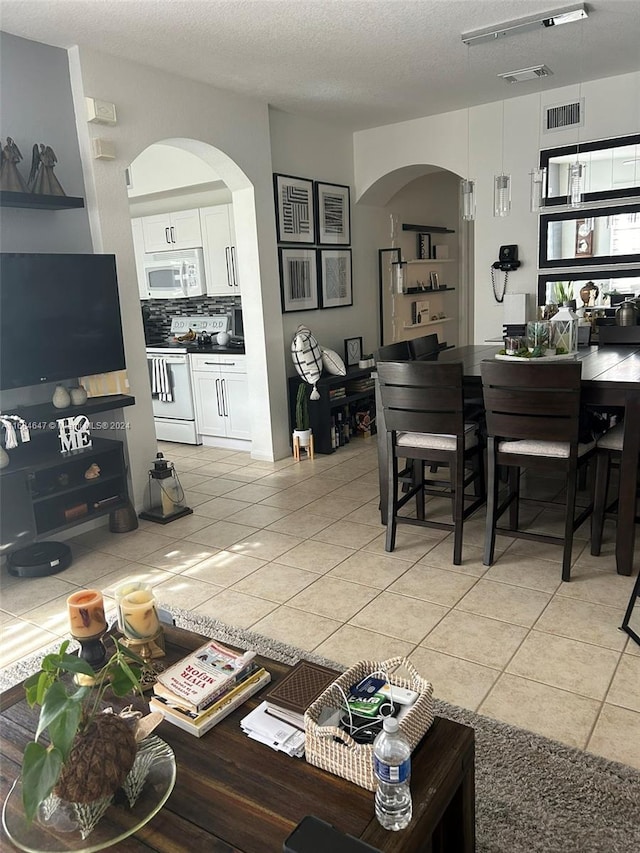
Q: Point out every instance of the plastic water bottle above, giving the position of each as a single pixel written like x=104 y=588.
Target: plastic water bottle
x=392 y=767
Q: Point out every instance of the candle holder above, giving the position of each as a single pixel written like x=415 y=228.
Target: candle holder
x=92 y=650
x=148 y=648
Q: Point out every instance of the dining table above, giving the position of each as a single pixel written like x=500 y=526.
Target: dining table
x=610 y=378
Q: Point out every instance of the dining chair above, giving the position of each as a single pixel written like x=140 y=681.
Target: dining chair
x=424 y=348
x=424 y=415
x=618 y=335
x=533 y=423
x=609 y=452
x=398 y=351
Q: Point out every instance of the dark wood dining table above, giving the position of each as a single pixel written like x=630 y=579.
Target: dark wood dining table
x=610 y=377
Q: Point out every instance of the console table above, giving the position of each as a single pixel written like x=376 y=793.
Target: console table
x=234 y=795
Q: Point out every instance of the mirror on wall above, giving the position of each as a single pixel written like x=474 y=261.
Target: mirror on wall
x=600 y=288
x=603 y=235
x=612 y=169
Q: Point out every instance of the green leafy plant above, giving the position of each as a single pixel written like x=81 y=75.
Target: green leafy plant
x=67 y=711
x=302 y=407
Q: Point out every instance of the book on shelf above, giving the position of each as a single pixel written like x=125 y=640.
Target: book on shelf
x=336 y=393
x=200 y=677
x=199 y=723
x=292 y=695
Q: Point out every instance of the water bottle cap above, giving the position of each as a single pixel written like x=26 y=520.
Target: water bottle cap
x=390 y=725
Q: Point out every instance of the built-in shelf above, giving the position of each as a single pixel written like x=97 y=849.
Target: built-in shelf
x=47 y=412
x=39 y=202
x=432 y=261
x=417 y=291
x=427 y=229
x=428 y=323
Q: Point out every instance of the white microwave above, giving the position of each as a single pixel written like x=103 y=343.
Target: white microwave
x=174 y=275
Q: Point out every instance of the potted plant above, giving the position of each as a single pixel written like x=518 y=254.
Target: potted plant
x=90 y=752
x=302 y=432
x=563 y=291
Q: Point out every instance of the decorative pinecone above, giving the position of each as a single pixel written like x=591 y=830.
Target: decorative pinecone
x=99 y=761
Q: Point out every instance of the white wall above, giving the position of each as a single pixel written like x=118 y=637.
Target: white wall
x=162 y=167
x=195 y=117
x=442 y=141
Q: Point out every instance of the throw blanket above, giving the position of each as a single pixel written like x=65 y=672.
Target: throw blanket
x=160 y=384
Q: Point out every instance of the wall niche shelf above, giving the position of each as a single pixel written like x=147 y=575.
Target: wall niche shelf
x=39 y=202
x=41 y=412
x=414 y=291
x=427 y=229
x=432 y=261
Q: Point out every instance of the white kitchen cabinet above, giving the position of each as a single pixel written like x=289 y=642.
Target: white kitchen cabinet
x=220 y=257
x=138 y=249
x=221 y=394
x=177 y=230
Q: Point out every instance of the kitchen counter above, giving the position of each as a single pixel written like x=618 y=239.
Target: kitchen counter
x=197 y=349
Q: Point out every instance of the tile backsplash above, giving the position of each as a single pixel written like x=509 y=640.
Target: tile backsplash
x=157 y=313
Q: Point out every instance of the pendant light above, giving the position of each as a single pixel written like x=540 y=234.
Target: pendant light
x=575 y=184
x=467 y=186
x=502 y=184
x=538 y=175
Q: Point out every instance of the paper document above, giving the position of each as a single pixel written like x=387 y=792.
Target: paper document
x=263 y=727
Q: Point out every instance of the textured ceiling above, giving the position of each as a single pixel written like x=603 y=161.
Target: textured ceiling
x=359 y=63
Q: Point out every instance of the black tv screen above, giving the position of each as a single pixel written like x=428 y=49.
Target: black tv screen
x=59 y=318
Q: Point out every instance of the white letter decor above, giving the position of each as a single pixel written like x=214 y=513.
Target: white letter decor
x=307 y=358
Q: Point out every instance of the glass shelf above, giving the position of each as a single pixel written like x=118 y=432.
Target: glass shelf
x=117 y=823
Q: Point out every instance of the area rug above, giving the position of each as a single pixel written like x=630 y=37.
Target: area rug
x=532 y=794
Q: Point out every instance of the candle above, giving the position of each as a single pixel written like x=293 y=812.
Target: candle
x=86 y=613
x=124 y=589
x=139 y=616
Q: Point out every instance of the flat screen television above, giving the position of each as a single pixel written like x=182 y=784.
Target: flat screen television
x=59 y=318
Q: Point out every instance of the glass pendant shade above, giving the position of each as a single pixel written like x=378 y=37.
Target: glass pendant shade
x=502 y=195
x=468 y=199
x=565 y=330
x=576 y=181
x=538 y=189
x=399 y=277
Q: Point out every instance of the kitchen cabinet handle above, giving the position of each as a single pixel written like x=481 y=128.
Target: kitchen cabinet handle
x=218 y=397
x=173 y=234
x=223 y=385
x=166 y=235
x=226 y=257
x=220 y=363
x=233 y=266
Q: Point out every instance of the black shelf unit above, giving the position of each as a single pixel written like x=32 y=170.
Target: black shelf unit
x=40 y=202
x=321 y=411
x=427 y=229
x=45 y=413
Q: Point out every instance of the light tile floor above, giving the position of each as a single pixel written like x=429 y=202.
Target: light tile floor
x=295 y=551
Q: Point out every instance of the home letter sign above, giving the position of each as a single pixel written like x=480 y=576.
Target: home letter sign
x=74 y=433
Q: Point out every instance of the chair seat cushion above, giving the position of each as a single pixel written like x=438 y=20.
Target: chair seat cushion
x=612 y=440
x=529 y=447
x=434 y=441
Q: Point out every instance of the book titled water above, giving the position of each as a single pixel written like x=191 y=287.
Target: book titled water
x=205 y=674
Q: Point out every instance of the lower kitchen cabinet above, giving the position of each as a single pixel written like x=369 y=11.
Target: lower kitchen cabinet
x=221 y=395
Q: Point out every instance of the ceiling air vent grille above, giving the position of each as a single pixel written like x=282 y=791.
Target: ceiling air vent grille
x=564 y=115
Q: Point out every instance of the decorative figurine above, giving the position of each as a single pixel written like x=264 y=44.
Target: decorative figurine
x=42 y=180
x=10 y=178
x=92 y=472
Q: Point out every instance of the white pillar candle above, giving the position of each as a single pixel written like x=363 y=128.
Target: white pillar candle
x=124 y=589
x=139 y=615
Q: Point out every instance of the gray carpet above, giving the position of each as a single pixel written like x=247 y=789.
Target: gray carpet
x=532 y=794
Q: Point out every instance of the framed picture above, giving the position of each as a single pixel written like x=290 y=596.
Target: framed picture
x=298 y=279
x=424 y=247
x=352 y=351
x=294 y=209
x=335 y=277
x=434 y=281
x=584 y=238
x=334 y=214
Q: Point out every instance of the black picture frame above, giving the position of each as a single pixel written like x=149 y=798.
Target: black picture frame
x=352 y=351
x=295 y=209
x=336 y=283
x=423 y=247
x=298 y=279
x=388 y=259
x=584 y=276
x=333 y=214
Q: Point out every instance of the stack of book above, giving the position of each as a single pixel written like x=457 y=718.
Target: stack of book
x=358 y=386
x=336 y=393
x=207 y=685
x=290 y=697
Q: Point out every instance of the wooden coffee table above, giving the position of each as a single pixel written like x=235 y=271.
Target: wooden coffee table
x=233 y=794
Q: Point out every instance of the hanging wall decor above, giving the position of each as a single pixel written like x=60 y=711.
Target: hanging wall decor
x=298 y=279
x=294 y=209
x=335 y=278
x=333 y=214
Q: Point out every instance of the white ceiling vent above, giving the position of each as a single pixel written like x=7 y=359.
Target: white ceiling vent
x=533 y=73
x=564 y=115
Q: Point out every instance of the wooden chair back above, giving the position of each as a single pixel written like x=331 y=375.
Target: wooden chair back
x=608 y=335
x=425 y=347
x=398 y=351
x=422 y=396
x=532 y=401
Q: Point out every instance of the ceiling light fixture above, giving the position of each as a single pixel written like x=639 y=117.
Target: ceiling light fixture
x=565 y=15
x=467 y=186
x=538 y=175
x=577 y=169
x=533 y=73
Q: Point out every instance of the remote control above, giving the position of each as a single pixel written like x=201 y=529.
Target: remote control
x=400 y=694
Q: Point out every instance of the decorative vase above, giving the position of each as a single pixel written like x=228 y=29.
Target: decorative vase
x=303 y=436
x=79 y=395
x=589 y=293
x=61 y=397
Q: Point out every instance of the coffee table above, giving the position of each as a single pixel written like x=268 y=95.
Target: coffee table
x=234 y=795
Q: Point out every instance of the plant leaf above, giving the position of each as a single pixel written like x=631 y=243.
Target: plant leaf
x=71 y=663
x=40 y=771
x=63 y=729
x=56 y=702
x=123 y=679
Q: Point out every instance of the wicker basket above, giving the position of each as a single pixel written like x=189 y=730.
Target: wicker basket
x=333 y=749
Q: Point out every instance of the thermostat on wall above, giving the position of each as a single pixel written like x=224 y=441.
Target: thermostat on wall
x=100 y=112
x=103 y=149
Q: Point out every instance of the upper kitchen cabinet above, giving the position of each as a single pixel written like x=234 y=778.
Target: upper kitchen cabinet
x=220 y=258
x=178 y=230
x=138 y=249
